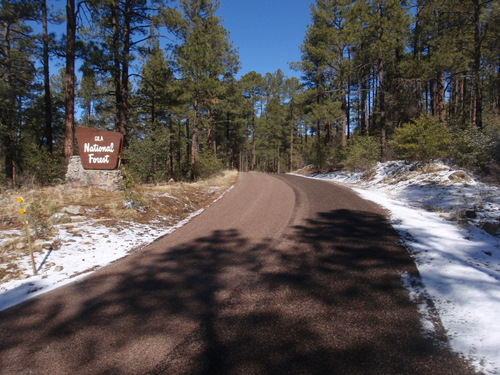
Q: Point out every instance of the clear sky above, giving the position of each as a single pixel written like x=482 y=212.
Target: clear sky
x=267 y=33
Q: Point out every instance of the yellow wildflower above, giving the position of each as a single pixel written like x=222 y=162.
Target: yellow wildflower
x=19 y=199
x=22 y=211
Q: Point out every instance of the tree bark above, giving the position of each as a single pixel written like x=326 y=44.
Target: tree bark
x=195 y=142
x=383 y=125
x=117 y=76
x=123 y=115
x=7 y=115
x=46 y=76
x=291 y=145
x=364 y=109
x=254 y=153
x=477 y=106
x=441 y=98
x=344 y=118
x=69 y=93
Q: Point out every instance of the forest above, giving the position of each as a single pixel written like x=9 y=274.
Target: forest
x=379 y=80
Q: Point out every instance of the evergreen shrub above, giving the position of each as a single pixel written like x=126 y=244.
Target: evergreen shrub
x=473 y=149
x=422 y=139
x=315 y=153
x=146 y=157
x=39 y=167
x=207 y=165
x=363 y=153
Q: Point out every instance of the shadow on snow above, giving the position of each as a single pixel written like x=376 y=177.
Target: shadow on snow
x=326 y=299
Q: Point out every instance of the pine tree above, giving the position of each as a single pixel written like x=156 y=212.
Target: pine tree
x=252 y=85
x=118 y=26
x=384 y=25
x=492 y=62
x=326 y=65
x=293 y=90
x=155 y=86
x=16 y=76
x=203 y=57
x=46 y=49
x=70 y=80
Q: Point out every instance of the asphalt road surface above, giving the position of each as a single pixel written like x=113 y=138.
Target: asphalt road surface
x=284 y=275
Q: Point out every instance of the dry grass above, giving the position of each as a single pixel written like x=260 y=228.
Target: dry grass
x=305 y=171
x=60 y=205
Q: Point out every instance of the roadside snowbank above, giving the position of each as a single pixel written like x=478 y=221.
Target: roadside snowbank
x=437 y=211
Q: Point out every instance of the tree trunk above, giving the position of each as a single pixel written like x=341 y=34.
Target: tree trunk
x=383 y=126
x=497 y=93
x=46 y=76
x=117 y=76
x=291 y=145
x=344 y=120
x=348 y=111
x=463 y=90
x=7 y=114
x=433 y=99
x=254 y=153
x=69 y=93
x=278 y=161
x=188 y=144
x=123 y=116
x=195 y=143
x=441 y=98
x=179 y=144
x=477 y=118
x=230 y=154
x=364 y=110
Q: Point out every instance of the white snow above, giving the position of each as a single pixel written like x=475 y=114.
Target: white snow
x=459 y=263
x=84 y=247
x=81 y=251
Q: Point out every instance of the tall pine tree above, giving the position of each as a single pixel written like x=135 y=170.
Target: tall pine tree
x=203 y=56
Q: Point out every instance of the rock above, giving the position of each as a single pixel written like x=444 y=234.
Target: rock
x=59 y=218
x=470 y=214
x=19 y=245
x=110 y=180
x=72 y=210
x=490 y=228
x=58 y=268
x=38 y=243
x=460 y=176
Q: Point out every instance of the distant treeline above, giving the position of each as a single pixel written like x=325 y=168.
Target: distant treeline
x=379 y=79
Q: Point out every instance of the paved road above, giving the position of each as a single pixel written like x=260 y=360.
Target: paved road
x=284 y=275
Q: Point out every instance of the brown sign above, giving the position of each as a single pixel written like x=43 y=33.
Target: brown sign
x=99 y=149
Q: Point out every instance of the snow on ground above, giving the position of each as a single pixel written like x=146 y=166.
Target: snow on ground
x=437 y=211
x=459 y=264
x=84 y=247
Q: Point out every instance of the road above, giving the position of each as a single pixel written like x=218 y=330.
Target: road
x=284 y=275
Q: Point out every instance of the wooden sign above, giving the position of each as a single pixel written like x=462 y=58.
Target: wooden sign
x=99 y=149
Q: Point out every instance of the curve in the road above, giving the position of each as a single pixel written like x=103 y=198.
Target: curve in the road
x=284 y=275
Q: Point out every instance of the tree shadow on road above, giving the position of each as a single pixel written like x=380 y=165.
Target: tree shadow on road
x=327 y=299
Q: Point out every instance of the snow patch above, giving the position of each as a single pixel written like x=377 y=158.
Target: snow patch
x=459 y=264
x=83 y=247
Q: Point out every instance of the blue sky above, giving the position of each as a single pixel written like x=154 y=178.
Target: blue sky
x=268 y=33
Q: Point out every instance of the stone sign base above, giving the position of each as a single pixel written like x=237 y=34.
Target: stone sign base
x=110 y=180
